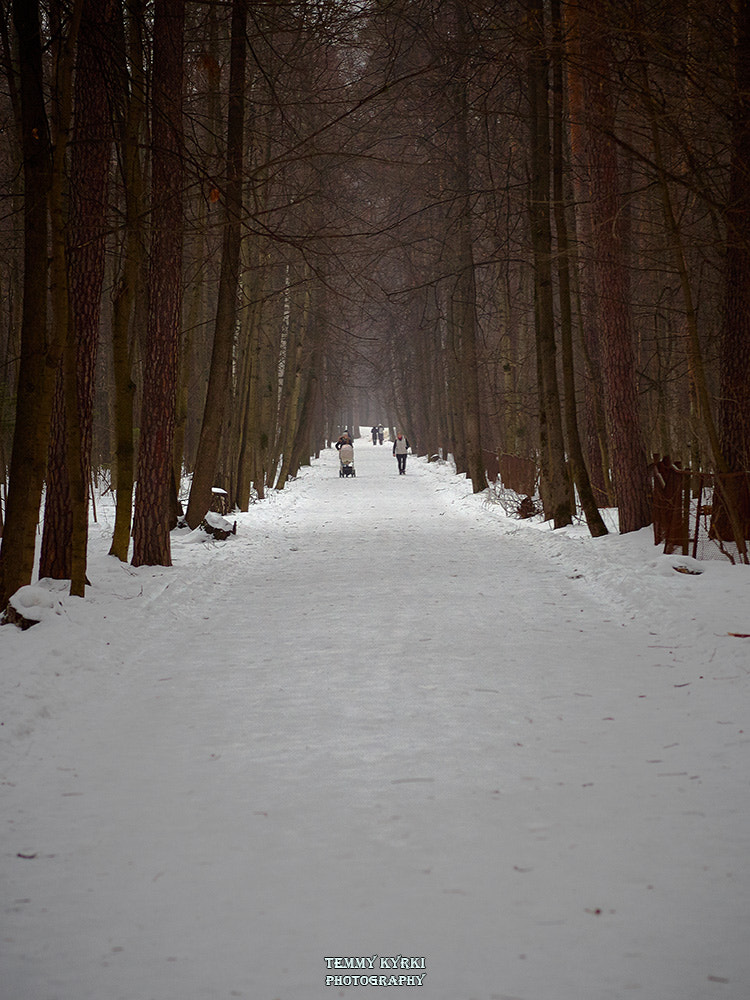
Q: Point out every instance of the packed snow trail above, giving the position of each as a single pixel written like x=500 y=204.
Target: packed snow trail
x=377 y=724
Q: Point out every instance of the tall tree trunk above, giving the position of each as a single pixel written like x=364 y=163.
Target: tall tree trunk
x=734 y=410
x=696 y=368
x=629 y=463
x=302 y=444
x=297 y=374
x=596 y=440
x=263 y=323
x=131 y=287
x=226 y=313
x=248 y=390
x=60 y=301
x=64 y=541
x=557 y=492
x=457 y=441
x=55 y=555
x=734 y=413
x=463 y=305
x=578 y=467
x=40 y=349
x=154 y=492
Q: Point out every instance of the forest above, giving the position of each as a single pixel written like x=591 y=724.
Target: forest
x=231 y=228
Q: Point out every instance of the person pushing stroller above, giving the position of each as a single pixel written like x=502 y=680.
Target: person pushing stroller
x=345 y=448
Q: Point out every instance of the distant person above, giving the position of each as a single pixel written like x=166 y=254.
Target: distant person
x=400 y=450
x=381 y=433
x=374 y=432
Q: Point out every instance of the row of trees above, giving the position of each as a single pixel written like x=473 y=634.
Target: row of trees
x=229 y=228
x=604 y=187
x=578 y=175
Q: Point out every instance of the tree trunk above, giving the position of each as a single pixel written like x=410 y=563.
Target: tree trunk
x=462 y=296
x=248 y=390
x=696 y=369
x=734 y=410
x=629 y=464
x=557 y=490
x=226 y=313
x=40 y=351
x=452 y=354
x=296 y=375
x=596 y=440
x=734 y=414
x=578 y=467
x=154 y=492
x=131 y=287
x=260 y=391
x=65 y=537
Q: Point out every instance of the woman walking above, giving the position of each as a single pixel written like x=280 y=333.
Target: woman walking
x=400 y=449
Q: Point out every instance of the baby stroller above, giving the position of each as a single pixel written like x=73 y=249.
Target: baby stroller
x=346 y=461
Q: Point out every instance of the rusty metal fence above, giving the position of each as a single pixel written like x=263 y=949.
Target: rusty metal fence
x=702 y=514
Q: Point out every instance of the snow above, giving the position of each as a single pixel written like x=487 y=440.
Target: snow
x=382 y=720
x=35 y=604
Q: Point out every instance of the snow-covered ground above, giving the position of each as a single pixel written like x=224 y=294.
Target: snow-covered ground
x=382 y=721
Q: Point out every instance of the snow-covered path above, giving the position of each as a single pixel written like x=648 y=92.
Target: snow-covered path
x=381 y=721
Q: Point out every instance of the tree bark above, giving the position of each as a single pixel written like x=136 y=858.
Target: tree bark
x=616 y=340
x=578 y=467
x=65 y=536
x=557 y=491
x=696 y=368
x=734 y=409
x=734 y=413
x=154 y=492
x=226 y=314
x=298 y=372
x=463 y=305
x=596 y=439
x=129 y=114
x=40 y=348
